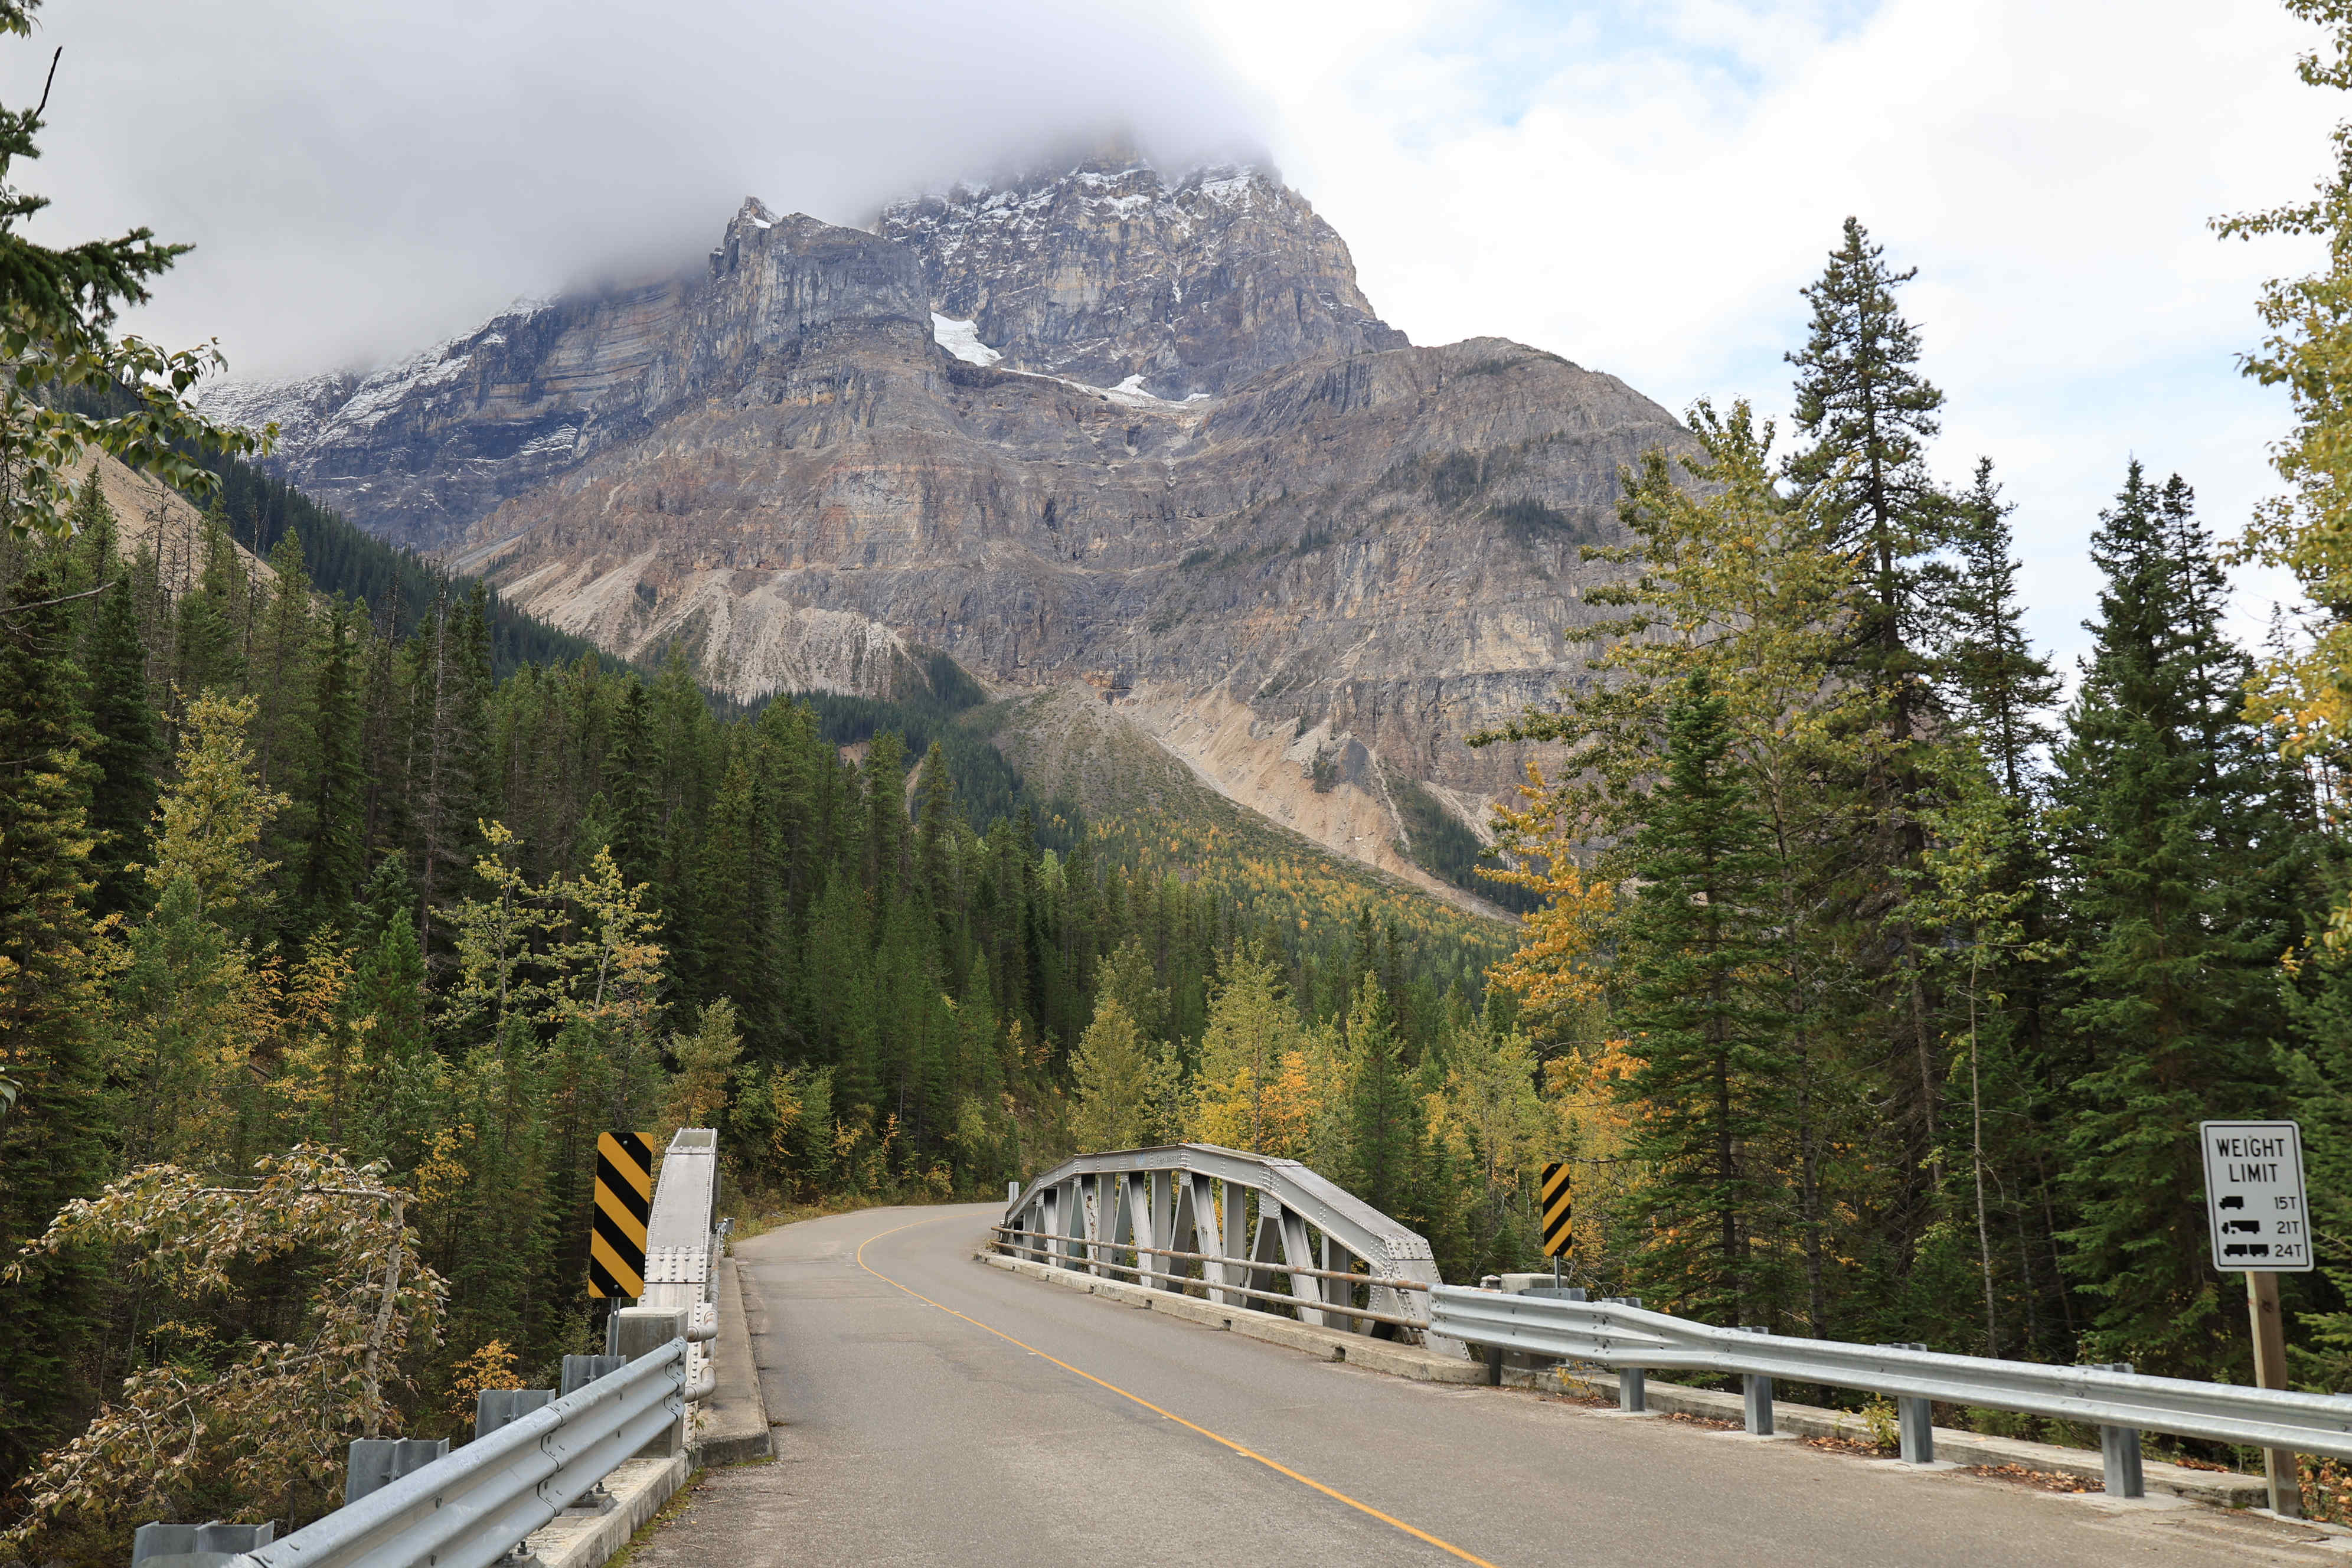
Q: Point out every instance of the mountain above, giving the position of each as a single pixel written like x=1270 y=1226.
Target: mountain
x=1094 y=429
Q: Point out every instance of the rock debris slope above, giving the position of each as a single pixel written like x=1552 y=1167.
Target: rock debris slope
x=1097 y=427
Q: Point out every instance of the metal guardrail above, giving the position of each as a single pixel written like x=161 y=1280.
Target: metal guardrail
x=467 y=1510
x=1281 y=1217
x=2114 y=1398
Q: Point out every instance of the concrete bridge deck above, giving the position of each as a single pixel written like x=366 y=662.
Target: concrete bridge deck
x=935 y=1411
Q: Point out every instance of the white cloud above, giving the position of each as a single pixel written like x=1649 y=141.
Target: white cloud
x=1643 y=188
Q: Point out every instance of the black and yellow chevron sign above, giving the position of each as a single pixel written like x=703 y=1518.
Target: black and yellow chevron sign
x=624 y=1200
x=1557 y=1234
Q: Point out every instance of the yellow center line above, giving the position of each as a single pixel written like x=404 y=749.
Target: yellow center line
x=1308 y=1481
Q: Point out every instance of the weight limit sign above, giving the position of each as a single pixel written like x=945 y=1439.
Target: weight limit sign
x=2253 y=1195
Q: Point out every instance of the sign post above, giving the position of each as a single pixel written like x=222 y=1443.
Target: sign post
x=2261 y=1224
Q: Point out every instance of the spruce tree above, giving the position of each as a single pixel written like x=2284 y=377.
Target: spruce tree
x=1704 y=1022
x=122 y=753
x=2178 y=853
x=1384 y=1125
x=1997 y=685
x=1870 y=415
x=336 y=788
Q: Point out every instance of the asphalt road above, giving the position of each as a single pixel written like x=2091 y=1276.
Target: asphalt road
x=933 y=1410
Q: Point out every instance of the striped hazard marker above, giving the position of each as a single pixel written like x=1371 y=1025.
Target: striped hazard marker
x=624 y=1201
x=1557 y=1232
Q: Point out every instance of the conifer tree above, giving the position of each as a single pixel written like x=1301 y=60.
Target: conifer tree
x=1384 y=1125
x=1998 y=686
x=208 y=641
x=51 y=1136
x=2178 y=852
x=281 y=662
x=122 y=752
x=629 y=781
x=335 y=790
x=1870 y=415
x=1703 y=1025
x=1121 y=1084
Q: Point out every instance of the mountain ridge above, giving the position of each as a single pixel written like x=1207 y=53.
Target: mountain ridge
x=1099 y=426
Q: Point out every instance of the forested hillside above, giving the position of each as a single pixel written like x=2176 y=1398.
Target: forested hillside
x=303 y=880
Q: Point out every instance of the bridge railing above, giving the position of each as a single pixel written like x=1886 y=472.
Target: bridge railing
x=2121 y=1402
x=1241 y=1219
x=473 y=1505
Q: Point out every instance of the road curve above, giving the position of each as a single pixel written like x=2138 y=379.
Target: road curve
x=934 y=1411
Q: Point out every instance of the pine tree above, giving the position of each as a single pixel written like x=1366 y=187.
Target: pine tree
x=2178 y=853
x=1703 y=1023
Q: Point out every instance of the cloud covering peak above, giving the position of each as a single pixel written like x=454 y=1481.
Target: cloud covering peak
x=360 y=177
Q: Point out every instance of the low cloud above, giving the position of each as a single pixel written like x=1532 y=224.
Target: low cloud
x=360 y=177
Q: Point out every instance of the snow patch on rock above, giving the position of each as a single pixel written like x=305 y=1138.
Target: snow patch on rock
x=961 y=339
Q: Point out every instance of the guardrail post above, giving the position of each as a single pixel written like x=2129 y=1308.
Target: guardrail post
x=495 y=1407
x=213 y=1545
x=1759 y=1392
x=1633 y=1382
x=377 y=1462
x=641 y=1331
x=2119 y=1451
x=580 y=1370
x=1915 y=1420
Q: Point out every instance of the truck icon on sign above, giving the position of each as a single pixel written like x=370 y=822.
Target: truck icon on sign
x=2244 y=1249
x=2234 y=1201
x=2241 y=1228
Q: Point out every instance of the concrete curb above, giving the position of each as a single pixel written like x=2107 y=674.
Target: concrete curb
x=731 y=1427
x=1328 y=1344
x=639 y=1488
x=2218 y=1487
x=2221 y=1489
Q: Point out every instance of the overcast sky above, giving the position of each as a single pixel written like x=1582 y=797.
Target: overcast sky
x=1638 y=184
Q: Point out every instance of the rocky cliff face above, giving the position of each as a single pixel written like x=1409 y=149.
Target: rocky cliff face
x=421 y=449
x=1307 y=571
x=1109 y=275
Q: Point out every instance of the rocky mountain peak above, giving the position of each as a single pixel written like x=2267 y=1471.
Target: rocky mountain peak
x=1112 y=270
